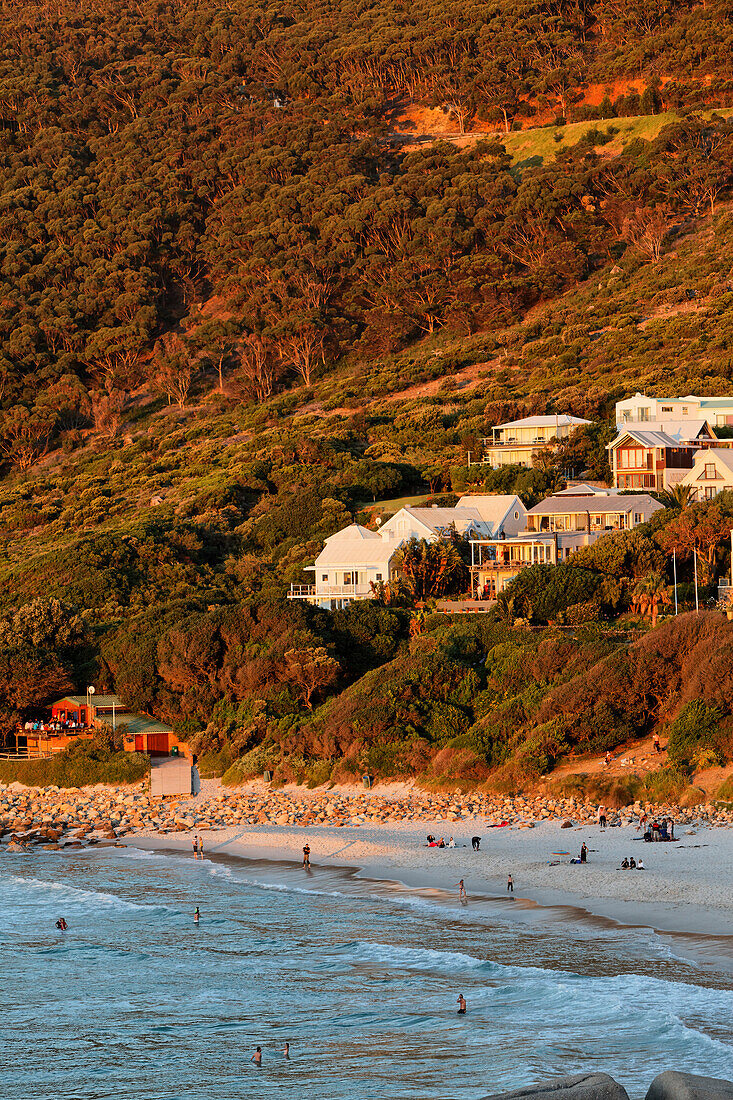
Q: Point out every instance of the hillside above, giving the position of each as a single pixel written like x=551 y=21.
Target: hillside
x=262 y=272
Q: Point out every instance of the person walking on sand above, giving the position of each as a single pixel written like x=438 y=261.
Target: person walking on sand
x=510 y=885
x=655 y=740
x=306 y=855
x=462 y=896
x=257 y=1057
x=461 y=1002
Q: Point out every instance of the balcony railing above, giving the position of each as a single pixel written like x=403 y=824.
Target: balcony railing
x=329 y=591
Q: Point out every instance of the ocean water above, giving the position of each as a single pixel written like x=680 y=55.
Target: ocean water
x=361 y=978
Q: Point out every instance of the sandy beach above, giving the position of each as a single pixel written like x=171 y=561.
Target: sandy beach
x=687 y=886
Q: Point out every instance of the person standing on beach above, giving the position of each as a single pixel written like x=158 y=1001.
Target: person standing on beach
x=257 y=1057
x=475 y=842
x=510 y=885
x=307 y=855
x=461 y=1002
x=583 y=853
x=195 y=846
x=462 y=896
x=201 y=847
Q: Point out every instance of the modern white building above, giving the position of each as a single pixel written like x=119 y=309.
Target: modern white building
x=356 y=560
x=517 y=442
x=711 y=473
x=643 y=410
x=556 y=528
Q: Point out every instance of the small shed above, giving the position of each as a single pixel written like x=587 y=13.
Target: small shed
x=170 y=775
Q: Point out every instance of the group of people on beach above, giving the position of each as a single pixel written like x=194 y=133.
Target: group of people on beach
x=433 y=843
x=657 y=829
x=198 y=847
x=632 y=864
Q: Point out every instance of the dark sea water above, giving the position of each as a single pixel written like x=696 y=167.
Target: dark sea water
x=361 y=979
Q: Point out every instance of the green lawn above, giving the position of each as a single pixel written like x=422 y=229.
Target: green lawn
x=543 y=143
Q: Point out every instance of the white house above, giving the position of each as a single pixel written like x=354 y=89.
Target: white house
x=518 y=441
x=556 y=528
x=644 y=410
x=711 y=473
x=355 y=559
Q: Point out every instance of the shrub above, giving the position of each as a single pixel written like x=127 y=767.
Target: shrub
x=694 y=732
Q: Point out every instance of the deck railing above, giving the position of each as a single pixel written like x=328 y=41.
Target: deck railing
x=327 y=591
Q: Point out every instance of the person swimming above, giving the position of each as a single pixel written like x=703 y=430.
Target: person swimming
x=257 y=1057
x=196 y=915
x=61 y=924
x=461 y=1002
x=286 y=1051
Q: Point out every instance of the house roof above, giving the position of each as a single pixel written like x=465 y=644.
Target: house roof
x=354 y=533
x=712 y=454
x=143 y=723
x=561 y=420
x=614 y=502
x=668 y=434
x=585 y=489
x=96 y=701
x=355 y=551
x=493 y=508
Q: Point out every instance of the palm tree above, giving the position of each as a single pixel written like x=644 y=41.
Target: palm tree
x=678 y=497
x=649 y=595
x=432 y=568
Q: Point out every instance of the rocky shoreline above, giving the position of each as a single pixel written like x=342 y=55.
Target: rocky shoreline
x=56 y=818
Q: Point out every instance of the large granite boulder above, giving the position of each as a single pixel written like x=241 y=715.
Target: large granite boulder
x=672 y=1085
x=580 y=1086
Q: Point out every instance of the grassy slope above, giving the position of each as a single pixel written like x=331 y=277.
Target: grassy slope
x=665 y=327
x=543 y=143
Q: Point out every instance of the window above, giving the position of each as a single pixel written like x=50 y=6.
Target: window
x=348 y=578
x=638 y=518
x=710 y=471
x=516 y=515
x=324 y=576
x=666 y=408
x=379 y=576
x=685 y=410
x=721 y=420
x=644 y=414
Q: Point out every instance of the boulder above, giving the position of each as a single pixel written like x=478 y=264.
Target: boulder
x=672 y=1085
x=579 y=1086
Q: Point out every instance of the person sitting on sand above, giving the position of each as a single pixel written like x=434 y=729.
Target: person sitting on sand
x=442 y=843
x=624 y=864
x=461 y=1002
x=640 y=865
x=632 y=863
x=431 y=838
x=451 y=843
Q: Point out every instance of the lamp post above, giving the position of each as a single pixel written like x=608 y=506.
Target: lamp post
x=697 y=606
x=674 y=568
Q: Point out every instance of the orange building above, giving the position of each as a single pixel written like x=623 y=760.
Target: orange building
x=79 y=716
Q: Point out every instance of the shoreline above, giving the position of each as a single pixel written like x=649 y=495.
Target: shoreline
x=698 y=930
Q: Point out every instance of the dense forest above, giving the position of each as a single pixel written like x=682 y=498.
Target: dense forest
x=246 y=297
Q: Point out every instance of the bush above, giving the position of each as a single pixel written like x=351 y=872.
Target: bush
x=82 y=764
x=694 y=732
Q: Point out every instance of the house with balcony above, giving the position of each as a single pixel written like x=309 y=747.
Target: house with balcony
x=556 y=528
x=643 y=410
x=517 y=442
x=711 y=473
x=657 y=455
x=357 y=560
